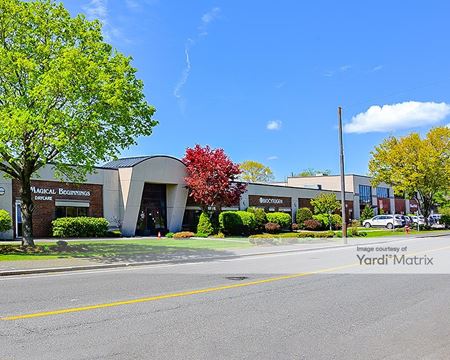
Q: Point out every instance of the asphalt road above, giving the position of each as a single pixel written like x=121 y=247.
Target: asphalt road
x=307 y=305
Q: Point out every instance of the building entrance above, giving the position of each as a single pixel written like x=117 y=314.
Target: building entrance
x=153 y=211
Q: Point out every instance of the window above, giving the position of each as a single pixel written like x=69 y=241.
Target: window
x=365 y=194
x=71 y=211
x=382 y=192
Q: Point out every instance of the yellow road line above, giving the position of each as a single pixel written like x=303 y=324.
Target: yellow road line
x=188 y=293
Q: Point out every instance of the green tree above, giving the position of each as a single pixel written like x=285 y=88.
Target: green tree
x=66 y=97
x=367 y=213
x=302 y=215
x=312 y=172
x=326 y=203
x=204 y=224
x=418 y=167
x=253 y=171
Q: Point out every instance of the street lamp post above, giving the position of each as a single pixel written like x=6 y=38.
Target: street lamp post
x=341 y=153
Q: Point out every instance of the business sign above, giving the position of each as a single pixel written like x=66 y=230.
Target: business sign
x=46 y=194
x=274 y=202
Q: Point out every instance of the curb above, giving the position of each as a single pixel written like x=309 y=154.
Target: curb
x=187 y=261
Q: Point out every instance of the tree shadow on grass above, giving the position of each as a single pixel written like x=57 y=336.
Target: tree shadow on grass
x=134 y=253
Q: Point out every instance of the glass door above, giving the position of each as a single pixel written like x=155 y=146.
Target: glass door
x=18 y=220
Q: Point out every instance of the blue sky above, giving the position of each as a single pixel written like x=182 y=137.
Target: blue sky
x=263 y=79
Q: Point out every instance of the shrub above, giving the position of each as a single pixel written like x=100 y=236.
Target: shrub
x=312 y=224
x=367 y=213
x=204 y=224
x=219 y=235
x=280 y=218
x=201 y=235
x=354 y=230
x=302 y=234
x=336 y=221
x=323 y=219
x=302 y=215
x=237 y=222
x=260 y=217
x=5 y=221
x=295 y=227
x=272 y=228
x=169 y=235
x=183 y=235
x=79 y=227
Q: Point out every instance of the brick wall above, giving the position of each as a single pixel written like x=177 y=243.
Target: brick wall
x=44 y=211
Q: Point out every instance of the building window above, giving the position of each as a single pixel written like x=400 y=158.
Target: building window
x=382 y=192
x=365 y=194
x=71 y=211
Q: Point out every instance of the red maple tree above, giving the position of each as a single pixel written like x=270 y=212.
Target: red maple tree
x=211 y=178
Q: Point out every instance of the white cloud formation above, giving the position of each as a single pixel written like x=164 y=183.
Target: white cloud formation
x=273 y=157
x=273 y=125
x=397 y=116
x=377 y=68
x=98 y=9
x=206 y=19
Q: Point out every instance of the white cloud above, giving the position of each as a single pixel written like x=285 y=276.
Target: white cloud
x=344 y=68
x=377 y=68
x=273 y=125
x=397 y=116
x=273 y=157
x=206 y=19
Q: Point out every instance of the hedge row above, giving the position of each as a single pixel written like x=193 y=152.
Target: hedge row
x=302 y=234
x=237 y=222
x=79 y=227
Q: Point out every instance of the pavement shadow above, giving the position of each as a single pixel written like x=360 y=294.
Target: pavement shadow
x=134 y=253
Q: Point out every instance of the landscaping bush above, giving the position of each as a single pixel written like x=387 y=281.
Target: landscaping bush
x=302 y=215
x=183 y=235
x=260 y=217
x=272 y=228
x=219 y=235
x=200 y=235
x=354 y=230
x=280 y=218
x=336 y=221
x=169 y=235
x=302 y=234
x=367 y=213
x=295 y=227
x=79 y=227
x=312 y=224
x=204 y=224
x=5 y=221
x=237 y=222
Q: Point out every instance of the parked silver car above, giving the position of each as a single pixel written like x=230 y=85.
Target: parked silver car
x=387 y=221
x=418 y=219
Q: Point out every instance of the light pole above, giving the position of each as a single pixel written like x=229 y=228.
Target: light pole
x=341 y=153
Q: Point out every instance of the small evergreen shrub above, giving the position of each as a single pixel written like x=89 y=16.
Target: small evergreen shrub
x=272 y=228
x=237 y=222
x=260 y=217
x=367 y=213
x=280 y=218
x=201 y=235
x=302 y=215
x=169 y=235
x=183 y=235
x=204 y=224
x=5 y=221
x=79 y=227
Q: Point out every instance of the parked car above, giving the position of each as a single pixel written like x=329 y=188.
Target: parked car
x=387 y=221
x=434 y=219
x=420 y=219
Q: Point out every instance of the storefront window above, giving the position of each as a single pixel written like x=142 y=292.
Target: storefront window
x=71 y=211
x=382 y=192
x=365 y=194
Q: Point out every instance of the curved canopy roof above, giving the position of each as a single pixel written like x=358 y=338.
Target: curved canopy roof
x=133 y=161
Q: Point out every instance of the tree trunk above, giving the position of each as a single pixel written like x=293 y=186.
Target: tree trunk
x=27 y=207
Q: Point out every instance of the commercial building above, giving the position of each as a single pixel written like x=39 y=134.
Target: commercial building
x=380 y=198
x=147 y=194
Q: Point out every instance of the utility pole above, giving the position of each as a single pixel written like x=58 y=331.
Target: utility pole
x=341 y=152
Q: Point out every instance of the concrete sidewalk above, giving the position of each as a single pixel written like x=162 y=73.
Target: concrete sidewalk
x=8 y=268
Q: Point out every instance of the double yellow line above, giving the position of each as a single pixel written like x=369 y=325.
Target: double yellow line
x=188 y=293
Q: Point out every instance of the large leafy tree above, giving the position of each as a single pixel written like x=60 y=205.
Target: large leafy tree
x=414 y=166
x=66 y=96
x=211 y=178
x=326 y=204
x=253 y=171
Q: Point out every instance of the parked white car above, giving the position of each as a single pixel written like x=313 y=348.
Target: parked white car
x=420 y=219
x=387 y=221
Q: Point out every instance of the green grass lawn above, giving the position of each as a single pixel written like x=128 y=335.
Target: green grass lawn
x=123 y=250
